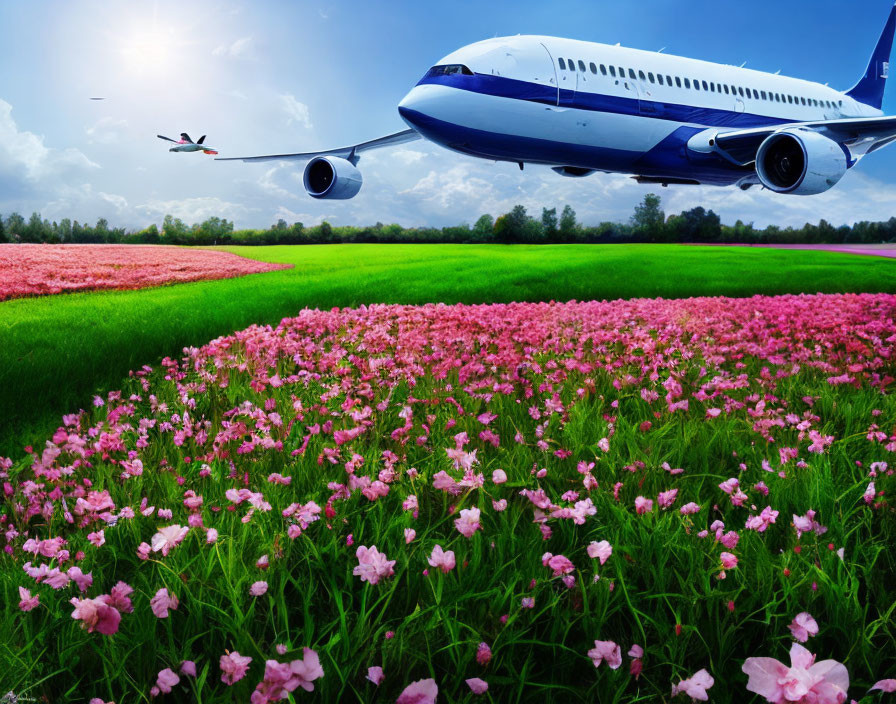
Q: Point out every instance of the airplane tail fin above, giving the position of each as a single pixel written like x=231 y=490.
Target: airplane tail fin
x=870 y=89
x=201 y=139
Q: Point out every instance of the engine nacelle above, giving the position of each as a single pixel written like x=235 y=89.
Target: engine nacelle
x=800 y=161
x=332 y=177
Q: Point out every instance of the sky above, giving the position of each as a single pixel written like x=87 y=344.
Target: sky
x=271 y=77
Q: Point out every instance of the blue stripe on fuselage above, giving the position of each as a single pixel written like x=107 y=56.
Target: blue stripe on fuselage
x=502 y=87
x=668 y=159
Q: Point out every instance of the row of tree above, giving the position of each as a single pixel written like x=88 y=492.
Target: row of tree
x=648 y=224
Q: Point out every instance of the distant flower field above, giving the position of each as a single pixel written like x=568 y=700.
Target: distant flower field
x=645 y=500
x=43 y=269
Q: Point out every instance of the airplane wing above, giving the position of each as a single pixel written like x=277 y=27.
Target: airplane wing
x=343 y=152
x=859 y=135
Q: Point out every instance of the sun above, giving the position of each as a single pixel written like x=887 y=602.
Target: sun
x=149 y=52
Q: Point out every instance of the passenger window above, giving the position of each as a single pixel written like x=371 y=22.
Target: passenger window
x=712 y=87
x=696 y=85
x=726 y=89
x=678 y=82
x=581 y=66
x=631 y=74
x=762 y=94
x=687 y=83
x=562 y=64
x=650 y=77
x=612 y=71
x=741 y=91
x=642 y=76
x=571 y=64
x=621 y=72
x=593 y=68
x=659 y=78
x=669 y=79
x=803 y=100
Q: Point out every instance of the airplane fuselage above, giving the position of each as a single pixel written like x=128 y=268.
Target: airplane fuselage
x=592 y=107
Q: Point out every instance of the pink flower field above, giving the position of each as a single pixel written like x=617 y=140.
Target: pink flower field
x=43 y=269
x=627 y=501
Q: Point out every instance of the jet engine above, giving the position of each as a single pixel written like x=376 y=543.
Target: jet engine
x=800 y=161
x=332 y=177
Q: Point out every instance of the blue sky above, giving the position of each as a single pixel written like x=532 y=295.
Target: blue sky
x=294 y=76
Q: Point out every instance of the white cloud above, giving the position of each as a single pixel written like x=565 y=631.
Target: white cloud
x=107 y=130
x=295 y=111
x=193 y=210
x=120 y=202
x=242 y=48
x=24 y=156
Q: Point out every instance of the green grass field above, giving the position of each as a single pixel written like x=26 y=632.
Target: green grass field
x=57 y=351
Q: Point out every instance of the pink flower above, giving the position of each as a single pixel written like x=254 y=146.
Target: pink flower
x=729 y=561
x=826 y=681
x=667 y=498
x=166 y=680
x=483 y=654
x=600 y=550
x=559 y=564
x=409 y=535
x=211 y=536
x=119 y=598
x=168 y=537
x=468 y=523
x=98 y=538
x=97 y=615
x=528 y=602
x=372 y=565
x=604 y=444
x=28 y=602
x=258 y=588
x=84 y=581
x=636 y=651
x=885 y=686
x=499 y=476
x=419 y=692
x=477 y=685
x=643 y=505
x=695 y=687
x=234 y=667
x=188 y=668
x=606 y=651
x=689 y=508
x=803 y=627
x=375 y=675
x=163 y=601
x=307 y=669
x=444 y=560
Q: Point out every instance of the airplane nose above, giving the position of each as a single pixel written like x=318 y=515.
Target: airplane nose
x=409 y=107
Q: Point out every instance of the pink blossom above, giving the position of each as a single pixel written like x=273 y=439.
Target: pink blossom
x=468 y=523
x=375 y=675
x=695 y=686
x=166 y=680
x=27 y=602
x=211 y=536
x=119 y=598
x=258 y=588
x=689 y=508
x=372 y=565
x=636 y=651
x=606 y=651
x=559 y=564
x=643 y=505
x=444 y=560
x=604 y=444
x=168 y=538
x=419 y=692
x=477 y=685
x=499 y=476
x=483 y=654
x=803 y=627
x=885 y=685
x=667 y=498
x=805 y=681
x=729 y=561
x=84 y=581
x=98 y=538
x=409 y=535
x=162 y=602
x=528 y=602
x=307 y=669
x=600 y=550
x=233 y=667
x=96 y=615
x=188 y=668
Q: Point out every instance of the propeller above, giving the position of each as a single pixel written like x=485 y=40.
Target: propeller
x=168 y=138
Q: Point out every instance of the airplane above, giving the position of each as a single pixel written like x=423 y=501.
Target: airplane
x=185 y=144
x=582 y=107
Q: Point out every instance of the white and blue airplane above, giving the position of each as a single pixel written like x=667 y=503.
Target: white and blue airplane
x=582 y=107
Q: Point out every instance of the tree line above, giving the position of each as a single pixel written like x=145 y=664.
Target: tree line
x=648 y=223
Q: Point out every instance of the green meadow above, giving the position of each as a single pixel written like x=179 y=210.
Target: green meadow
x=57 y=351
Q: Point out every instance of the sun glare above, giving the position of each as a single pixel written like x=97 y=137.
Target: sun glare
x=149 y=52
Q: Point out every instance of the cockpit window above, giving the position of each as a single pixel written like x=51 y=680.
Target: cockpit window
x=448 y=70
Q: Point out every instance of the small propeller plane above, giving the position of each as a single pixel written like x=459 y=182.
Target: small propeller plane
x=185 y=144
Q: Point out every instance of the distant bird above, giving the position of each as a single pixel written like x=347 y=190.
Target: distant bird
x=185 y=144
x=97 y=98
